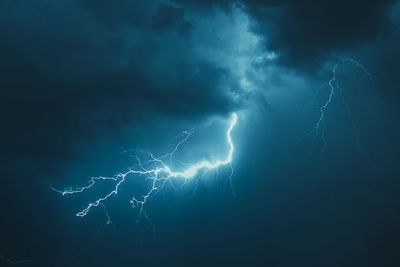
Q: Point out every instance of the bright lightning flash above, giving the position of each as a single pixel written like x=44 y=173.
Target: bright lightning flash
x=159 y=175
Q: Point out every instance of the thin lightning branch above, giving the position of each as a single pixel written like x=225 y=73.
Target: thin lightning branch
x=359 y=65
x=159 y=175
x=319 y=128
x=106 y=213
x=335 y=89
x=186 y=135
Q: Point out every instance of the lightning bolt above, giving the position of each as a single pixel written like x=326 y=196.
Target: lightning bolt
x=335 y=89
x=160 y=173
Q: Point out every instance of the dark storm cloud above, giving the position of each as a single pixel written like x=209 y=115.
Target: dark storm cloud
x=307 y=32
x=153 y=14
x=72 y=72
x=125 y=12
x=80 y=79
x=168 y=16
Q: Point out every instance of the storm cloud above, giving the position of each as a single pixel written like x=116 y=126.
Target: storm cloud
x=85 y=83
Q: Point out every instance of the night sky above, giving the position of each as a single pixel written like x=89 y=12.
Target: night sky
x=87 y=86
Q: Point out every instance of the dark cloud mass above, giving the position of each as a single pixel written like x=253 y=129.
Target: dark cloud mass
x=68 y=77
x=87 y=85
x=307 y=32
x=168 y=17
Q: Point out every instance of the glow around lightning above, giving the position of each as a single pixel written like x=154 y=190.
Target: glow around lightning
x=159 y=175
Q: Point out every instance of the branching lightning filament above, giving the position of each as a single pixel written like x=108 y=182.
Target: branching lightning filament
x=159 y=174
x=335 y=88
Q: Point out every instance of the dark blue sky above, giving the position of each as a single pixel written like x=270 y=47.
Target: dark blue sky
x=87 y=85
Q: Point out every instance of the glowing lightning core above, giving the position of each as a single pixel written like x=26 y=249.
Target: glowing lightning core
x=159 y=175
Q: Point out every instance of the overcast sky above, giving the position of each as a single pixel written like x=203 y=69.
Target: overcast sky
x=85 y=86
